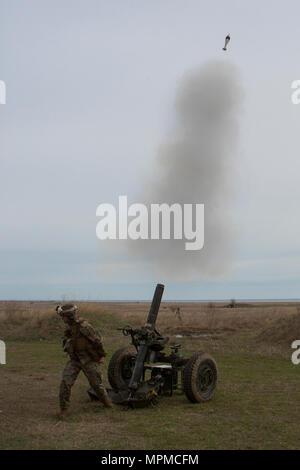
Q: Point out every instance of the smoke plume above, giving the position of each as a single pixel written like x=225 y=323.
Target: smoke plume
x=197 y=165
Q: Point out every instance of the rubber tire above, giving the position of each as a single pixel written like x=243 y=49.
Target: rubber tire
x=115 y=374
x=197 y=364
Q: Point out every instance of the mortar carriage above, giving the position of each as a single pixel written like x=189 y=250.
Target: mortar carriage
x=141 y=372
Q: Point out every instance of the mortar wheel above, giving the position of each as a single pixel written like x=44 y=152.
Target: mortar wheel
x=200 y=378
x=120 y=367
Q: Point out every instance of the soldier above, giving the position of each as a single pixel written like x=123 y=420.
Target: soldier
x=86 y=352
x=178 y=314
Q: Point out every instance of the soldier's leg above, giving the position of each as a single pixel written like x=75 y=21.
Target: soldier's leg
x=69 y=376
x=93 y=373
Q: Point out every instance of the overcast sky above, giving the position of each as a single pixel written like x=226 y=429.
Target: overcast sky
x=90 y=97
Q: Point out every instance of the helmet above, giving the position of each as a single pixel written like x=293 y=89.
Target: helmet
x=67 y=310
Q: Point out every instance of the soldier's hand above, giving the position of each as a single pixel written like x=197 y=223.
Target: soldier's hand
x=101 y=360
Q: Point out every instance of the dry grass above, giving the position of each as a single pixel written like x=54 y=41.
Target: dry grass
x=272 y=322
x=209 y=317
x=38 y=320
x=282 y=331
x=22 y=320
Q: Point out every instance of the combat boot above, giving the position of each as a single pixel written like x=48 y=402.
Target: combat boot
x=63 y=414
x=107 y=402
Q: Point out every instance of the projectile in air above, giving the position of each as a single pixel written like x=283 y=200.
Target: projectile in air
x=227 y=39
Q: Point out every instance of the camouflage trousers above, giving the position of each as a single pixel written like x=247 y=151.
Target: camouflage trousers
x=93 y=373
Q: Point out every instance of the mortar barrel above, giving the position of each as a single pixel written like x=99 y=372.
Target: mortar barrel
x=152 y=315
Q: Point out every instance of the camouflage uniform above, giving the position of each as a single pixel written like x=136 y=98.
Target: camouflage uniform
x=85 y=348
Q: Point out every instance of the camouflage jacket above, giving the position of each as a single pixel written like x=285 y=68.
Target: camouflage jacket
x=82 y=342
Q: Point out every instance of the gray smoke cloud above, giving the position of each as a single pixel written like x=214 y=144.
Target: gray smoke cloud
x=197 y=165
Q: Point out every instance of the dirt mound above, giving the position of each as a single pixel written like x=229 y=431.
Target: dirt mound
x=19 y=320
x=282 y=331
x=38 y=320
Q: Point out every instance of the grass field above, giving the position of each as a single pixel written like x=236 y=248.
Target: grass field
x=256 y=405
